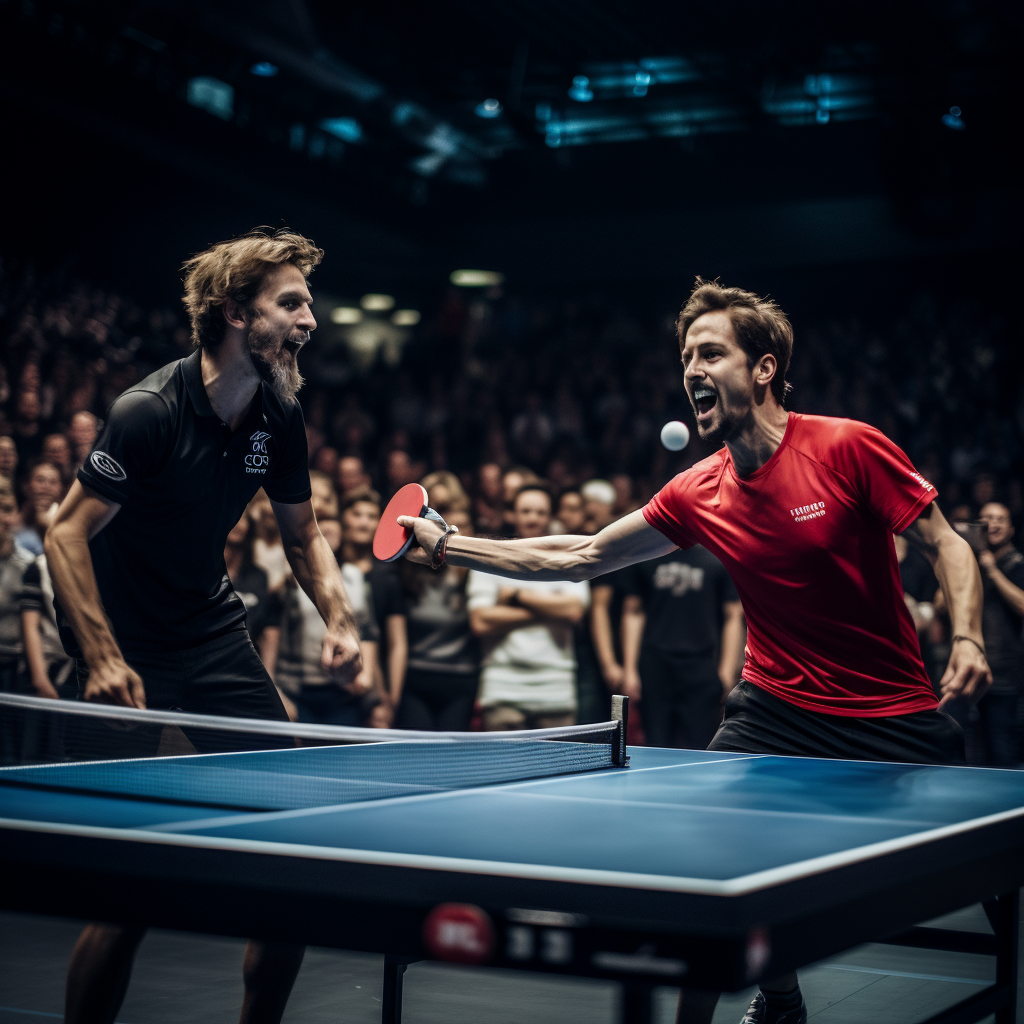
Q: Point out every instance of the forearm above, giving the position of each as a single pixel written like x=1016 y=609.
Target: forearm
x=34 y=657
x=601 y=630
x=564 y=557
x=398 y=656
x=316 y=571
x=499 y=619
x=74 y=583
x=960 y=582
x=270 y=641
x=369 y=652
x=633 y=623
x=1008 y=591
x=562 y=607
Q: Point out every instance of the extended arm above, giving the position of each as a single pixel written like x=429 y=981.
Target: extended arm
x=82 y=515
x=967 y=674
x=730 y=661
x=317 y=572
x=565 y=557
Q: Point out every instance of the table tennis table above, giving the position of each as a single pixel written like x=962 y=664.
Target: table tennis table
x=684 y=868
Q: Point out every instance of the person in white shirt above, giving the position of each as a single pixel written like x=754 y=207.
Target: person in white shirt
x=526 y=628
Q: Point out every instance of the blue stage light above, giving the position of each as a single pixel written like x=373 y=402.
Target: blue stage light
x=488 y=109
x=264 y=69
x=581 y=91
x=212 y=95
x=954 y=119
x=348 y=129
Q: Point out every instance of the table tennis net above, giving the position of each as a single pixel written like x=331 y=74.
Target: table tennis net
x=252 y=765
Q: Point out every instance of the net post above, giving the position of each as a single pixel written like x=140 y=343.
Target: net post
x=620 y=714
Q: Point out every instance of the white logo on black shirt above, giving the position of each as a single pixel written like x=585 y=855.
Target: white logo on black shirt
x=678 y=577
x=258 y=459
x=107 y=466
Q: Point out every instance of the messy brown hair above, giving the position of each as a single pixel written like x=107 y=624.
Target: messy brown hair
x=760 y=325
x=235 y=269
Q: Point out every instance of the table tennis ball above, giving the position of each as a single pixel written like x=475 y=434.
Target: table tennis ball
x=675 y=435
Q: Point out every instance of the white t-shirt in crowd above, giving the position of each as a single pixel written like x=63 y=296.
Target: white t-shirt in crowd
x=534 y=666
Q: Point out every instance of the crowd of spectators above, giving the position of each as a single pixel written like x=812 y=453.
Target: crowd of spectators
x=520 y=418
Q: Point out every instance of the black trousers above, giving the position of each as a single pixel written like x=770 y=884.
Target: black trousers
x=681 y=698
x=223 y=676
x=756 y=722
x=437 y=701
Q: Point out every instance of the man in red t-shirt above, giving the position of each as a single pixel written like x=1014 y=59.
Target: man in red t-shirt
x=801 y=511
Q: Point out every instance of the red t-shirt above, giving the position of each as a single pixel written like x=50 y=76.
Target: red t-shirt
x=807 y=539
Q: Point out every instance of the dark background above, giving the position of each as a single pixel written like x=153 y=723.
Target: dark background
x=107 y=163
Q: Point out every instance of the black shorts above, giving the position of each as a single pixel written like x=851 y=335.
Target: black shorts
x=221 y=677
x=756 y=722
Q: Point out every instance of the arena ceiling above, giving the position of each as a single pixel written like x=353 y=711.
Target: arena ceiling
x=428 y=116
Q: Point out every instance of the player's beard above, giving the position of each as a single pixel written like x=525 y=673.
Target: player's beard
x=725 y=427
x=276 y=366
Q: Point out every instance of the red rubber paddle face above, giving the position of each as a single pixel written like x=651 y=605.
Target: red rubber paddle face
x=391 y=541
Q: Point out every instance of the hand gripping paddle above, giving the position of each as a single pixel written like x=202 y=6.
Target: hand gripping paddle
x=391 y=541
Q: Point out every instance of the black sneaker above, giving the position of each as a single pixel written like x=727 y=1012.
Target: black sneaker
x=758 y=1013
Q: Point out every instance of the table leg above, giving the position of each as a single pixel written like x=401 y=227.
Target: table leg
x=1007 y=928
x=391 y=1002
x=636 y=1004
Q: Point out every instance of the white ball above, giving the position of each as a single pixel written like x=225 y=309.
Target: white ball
x=675 y=435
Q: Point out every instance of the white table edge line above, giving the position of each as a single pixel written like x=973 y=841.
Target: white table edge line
x=738 y=886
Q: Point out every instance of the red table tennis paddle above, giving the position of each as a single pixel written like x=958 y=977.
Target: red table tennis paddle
x=391 y=541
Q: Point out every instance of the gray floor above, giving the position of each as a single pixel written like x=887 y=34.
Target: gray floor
x=189 y=979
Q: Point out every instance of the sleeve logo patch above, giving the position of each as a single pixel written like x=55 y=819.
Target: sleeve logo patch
x=107 y=466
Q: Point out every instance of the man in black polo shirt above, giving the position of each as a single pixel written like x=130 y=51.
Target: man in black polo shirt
x=136 y=548
x=682 y=644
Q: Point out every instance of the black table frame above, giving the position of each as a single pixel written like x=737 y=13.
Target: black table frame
x=165 y=882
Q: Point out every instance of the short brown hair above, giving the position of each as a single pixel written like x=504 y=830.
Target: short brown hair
x=363 y=494
x=235 y=270
x=760 y=325
x=538 y=486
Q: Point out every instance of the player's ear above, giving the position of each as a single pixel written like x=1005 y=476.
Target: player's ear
x=764 y=370
x=233 y=313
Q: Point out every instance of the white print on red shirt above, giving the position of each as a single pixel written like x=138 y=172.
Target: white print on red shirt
x=815 y=510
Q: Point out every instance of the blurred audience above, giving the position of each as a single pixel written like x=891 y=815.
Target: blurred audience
x=569 y=391
x=360 y=514
x=1001 y=710
x=528 y=679
x=444 y=659
x=43 y=488
x=14 y=560
x=262 y=609
x=682 y=645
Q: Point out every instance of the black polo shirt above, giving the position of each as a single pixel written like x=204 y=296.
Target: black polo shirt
x=182 y=479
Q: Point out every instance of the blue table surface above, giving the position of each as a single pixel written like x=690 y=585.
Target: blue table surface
x=674 y=814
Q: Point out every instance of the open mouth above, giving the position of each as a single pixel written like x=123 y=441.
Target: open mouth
x=292 y=347
x=704 y=399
